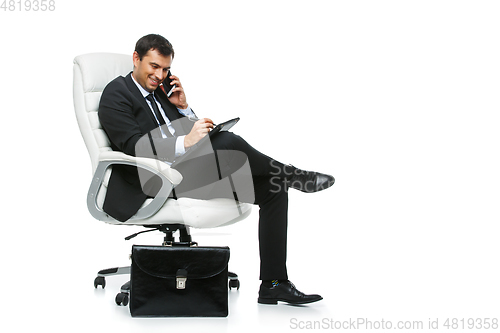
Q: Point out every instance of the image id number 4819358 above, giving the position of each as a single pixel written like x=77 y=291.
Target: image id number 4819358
x=28 y=5
x=470 y=323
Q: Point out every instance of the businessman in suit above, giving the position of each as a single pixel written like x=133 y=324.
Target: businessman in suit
x=133 y=107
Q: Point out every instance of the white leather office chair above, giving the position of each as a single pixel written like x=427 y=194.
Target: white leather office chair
x=92 y=72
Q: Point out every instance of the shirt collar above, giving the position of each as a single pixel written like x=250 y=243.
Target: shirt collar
x=143 y=91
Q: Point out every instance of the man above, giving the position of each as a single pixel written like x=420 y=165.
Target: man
x=133 y=107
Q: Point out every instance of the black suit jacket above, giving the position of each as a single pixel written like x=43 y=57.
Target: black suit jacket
x=127 y=119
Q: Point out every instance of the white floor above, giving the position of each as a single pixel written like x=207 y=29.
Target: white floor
x=244 y=313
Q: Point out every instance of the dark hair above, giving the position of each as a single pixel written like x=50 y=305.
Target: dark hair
x=154 y=42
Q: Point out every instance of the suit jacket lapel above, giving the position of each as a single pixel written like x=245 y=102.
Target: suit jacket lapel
x=169 y=108
x=171 y=111
x=137 y=94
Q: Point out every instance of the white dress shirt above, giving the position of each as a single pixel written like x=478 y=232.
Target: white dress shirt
x=179 y=143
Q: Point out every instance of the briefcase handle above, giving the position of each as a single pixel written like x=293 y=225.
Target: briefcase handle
x=180 y=244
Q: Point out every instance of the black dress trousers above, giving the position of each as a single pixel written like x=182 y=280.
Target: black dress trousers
x=230 y=152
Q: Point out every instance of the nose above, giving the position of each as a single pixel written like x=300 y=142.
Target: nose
x=159 y=74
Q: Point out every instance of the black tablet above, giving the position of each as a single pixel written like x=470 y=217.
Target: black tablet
x=225 y=126
x=222 y=127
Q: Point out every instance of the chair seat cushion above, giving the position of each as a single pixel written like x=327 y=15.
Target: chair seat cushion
x=195 y=213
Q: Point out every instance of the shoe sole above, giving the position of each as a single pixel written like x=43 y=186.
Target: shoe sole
x=274 y=301
x=305 y=190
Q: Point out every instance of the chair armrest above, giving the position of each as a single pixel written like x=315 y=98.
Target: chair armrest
x=170 y=178
x=158 y=167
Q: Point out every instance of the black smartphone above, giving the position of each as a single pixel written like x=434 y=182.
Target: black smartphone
x=166 y=85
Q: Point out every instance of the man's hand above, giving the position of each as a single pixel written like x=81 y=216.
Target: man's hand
x=178 y=97
x=199 y=130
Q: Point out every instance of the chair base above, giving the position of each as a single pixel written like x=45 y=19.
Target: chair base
x=122 y=297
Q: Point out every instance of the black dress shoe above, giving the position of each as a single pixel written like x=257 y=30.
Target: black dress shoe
x=309 y=181
x=285 y=292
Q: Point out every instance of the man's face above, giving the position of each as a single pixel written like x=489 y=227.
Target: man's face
x=151 y=70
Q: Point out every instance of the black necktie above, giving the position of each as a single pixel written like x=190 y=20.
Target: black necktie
x=155 y=109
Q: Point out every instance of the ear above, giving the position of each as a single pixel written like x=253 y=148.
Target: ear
x=135 y=58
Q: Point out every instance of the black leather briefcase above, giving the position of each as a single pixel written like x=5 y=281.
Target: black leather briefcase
x=179 y=281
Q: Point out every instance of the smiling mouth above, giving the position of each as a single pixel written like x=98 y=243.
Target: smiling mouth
x=154 y=82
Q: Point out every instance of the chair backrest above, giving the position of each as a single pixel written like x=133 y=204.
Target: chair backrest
x=91 y=73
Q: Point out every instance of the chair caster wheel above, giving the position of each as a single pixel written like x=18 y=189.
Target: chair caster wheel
x=121 y=299
x=100 y=281
x=234 y=284
x=233 y=281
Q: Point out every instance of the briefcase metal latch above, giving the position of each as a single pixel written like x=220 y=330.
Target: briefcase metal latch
x=181 y=283
x=181 y=278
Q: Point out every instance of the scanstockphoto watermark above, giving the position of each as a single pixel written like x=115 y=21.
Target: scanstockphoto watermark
x=28 y=5
x=474 y=324
x=277 y=178
x=354 y=324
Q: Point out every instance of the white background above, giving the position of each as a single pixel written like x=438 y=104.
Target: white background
x=399 y=100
